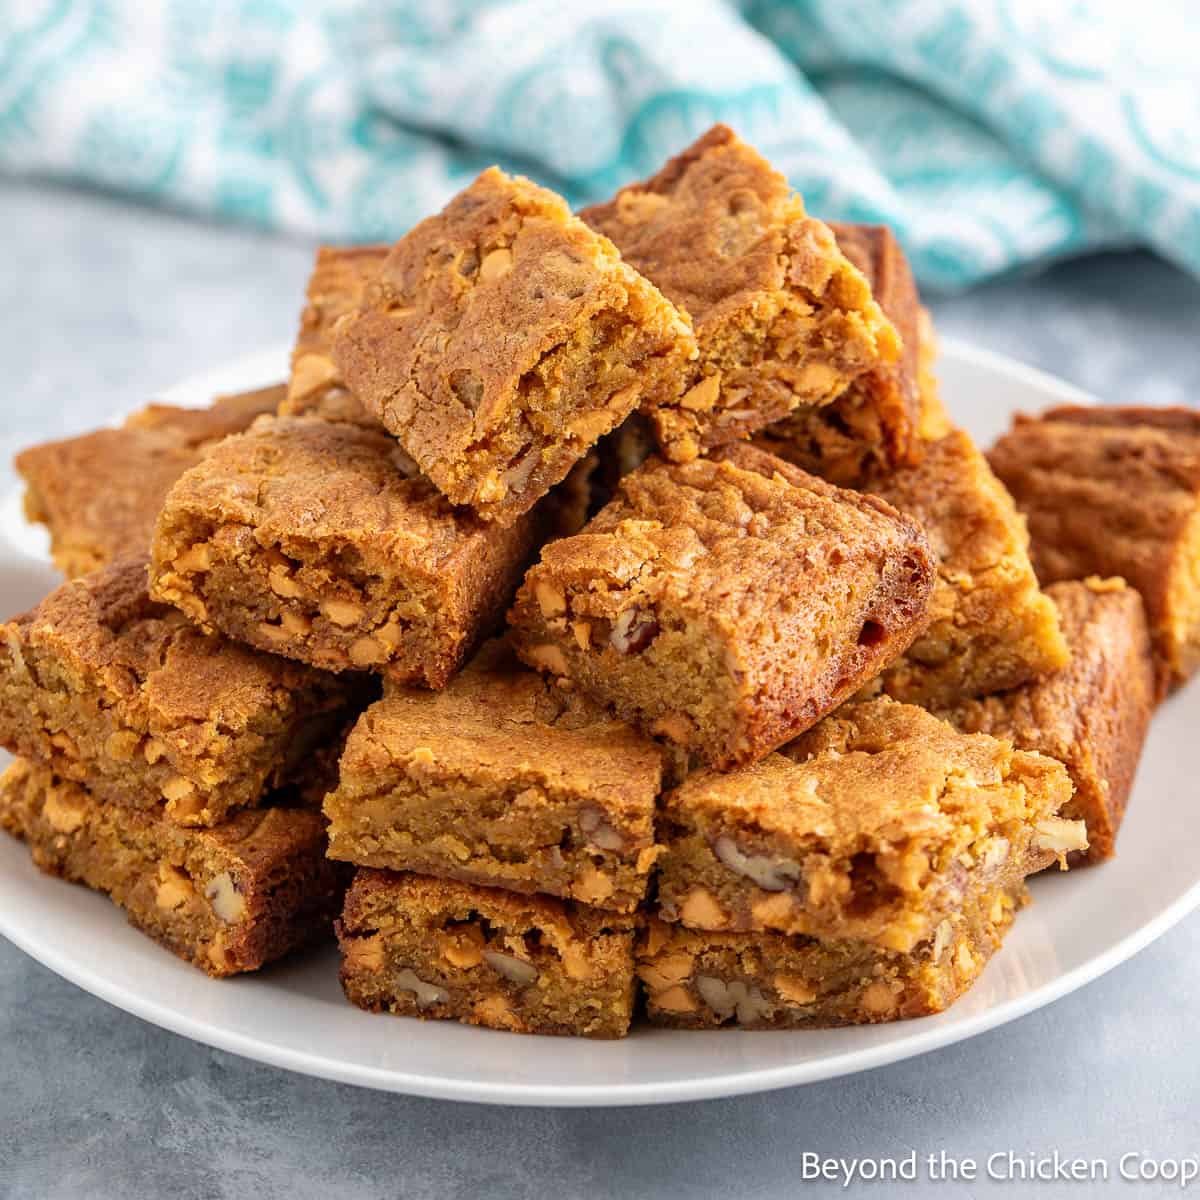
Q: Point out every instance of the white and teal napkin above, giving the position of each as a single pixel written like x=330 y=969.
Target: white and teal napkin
x=991 y=134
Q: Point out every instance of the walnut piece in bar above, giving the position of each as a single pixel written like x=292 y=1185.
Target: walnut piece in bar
x=99 y=494
x=728 y=603
x=1115 y=491
x=876 y=421
x=783 y=319
x=336 y=287
x=990 y=626
x=695 y=979
x=227 y=899
x=501 y=779
x=303 y=537
x=1093 y=715
x=502 y=339
x=422 y=947
x=874 y=825
x=125 y=695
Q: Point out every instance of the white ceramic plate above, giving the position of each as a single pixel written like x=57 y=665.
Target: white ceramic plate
x=293 y=1015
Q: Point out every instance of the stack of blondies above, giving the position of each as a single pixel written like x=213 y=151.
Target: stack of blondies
x=610 y=602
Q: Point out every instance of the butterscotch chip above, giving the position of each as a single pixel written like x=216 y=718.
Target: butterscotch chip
x=99 y=494
x=500 y=779
x=384 y=574
x=537 y=965
x=502 y=338
x=1111 y=491
x=990 y=626
x=783 y=319
x=226 y=899
x=1093 y=715
x=206 y=724
x=730 y=602
x=875 y=824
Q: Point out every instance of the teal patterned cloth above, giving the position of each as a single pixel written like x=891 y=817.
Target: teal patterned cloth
x=990 y=133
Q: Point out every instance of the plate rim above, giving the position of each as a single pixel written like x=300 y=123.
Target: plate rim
x=622 y=1094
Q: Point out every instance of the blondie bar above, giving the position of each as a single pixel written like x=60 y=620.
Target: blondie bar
x=100 y=493
x=500 y=779
x=1093 y=715
x=694 y=979
x=1116 y=491
x=874 y=825
x=226 y=899
x=115 y=691
x=876 y=421
x=990 y=626
x=304 y=537
x=502 y=339
x=727 y=603
x=783 y=318
x=336 y=287
x=422 y=947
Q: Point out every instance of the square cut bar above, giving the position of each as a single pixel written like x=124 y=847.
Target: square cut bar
x=783 y=318
x=728 y=603
x=874 y=825
x=99 y=494
x=1093 y=715
x=336 y=287
x=304 y=537
x=115 y=691
x=227 y=899
x=876 y=421
x=421 y=947
x=502 y=339
x=1113 y=491
x=501 y=779
x=694 y=979
x=990 y=626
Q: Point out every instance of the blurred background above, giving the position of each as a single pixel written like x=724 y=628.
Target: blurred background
x=166 y=169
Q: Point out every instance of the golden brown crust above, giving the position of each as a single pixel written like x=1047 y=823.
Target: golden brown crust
x=726 y=603
x=99 y=494
x=227 y=899
x=336 y=287
x=501 y=779
x=990 y=626
x=1115 y=491
x=115 y=691
x=1093 y=715
x=696 y=979
x=782 y=317
x=502 y=339
x=873 y=825
x=876 y=421
x=529 y=964
x=304 y=537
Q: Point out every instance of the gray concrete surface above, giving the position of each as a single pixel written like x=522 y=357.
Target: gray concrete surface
x=102 y=303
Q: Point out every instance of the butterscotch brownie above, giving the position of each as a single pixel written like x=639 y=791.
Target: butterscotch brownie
x=1092 y=715
x=98 y=494
x=226 y=899
x=1116 y=492
x=422 y=947
x=695 y=979
x=727 y=603
x=876 y=421
x=336 y=287
x=502 y=339
x=783 y=319
x=125 y=695
x=501 y=779
x=873 y=825
x=990 y=625
x=304 y=537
